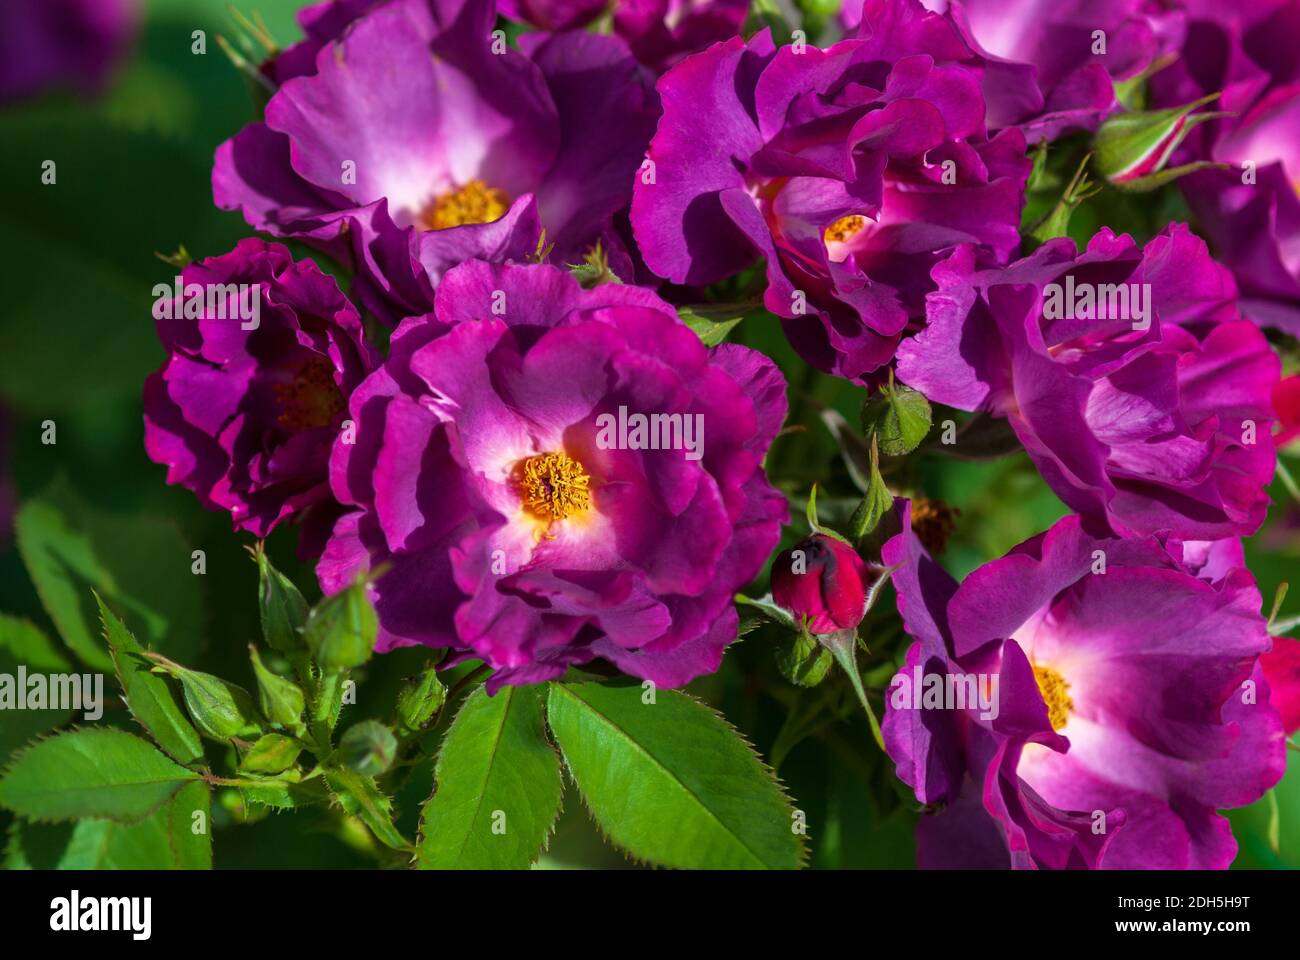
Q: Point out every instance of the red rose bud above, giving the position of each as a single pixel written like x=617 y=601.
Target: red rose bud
x=1286 y=400
x=823 y=582
x=1133 y=147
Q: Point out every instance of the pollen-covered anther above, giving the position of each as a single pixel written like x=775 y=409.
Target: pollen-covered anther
x=475 y=202
x=1056 y=695
x=309 y=398
x=933 y=522
x=845 y=228
x=554 y=486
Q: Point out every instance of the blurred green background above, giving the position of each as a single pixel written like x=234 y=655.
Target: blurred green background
x=77 y=341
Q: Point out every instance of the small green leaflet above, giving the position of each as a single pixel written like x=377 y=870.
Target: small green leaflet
x=91 y=773
x=670 y=781
x=497 y=786
x=147 y=695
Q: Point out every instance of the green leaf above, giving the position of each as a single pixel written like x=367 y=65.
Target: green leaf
x=497 y=786
x=709 y=323
x=140 y=565
x=771 y=609
x=91 y=773
x=876 y=503
x=359 y=796
x=285 y=791
x=147 y=695
x=670 y=781
x=899 y=417
x=23 y=644
x=165 y=840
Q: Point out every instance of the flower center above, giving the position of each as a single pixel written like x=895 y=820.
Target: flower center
x=310 y=398
x=933 y=522
x=475 y=202
x=554 y=486
x=845 y=228
x=1054 y=690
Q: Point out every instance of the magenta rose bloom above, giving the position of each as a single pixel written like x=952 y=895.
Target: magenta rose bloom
x=49 y=44
x=1130 y=706
x=413 y=146
x=553 y=14
x=659 y=32
x=321 y=23
x=500 y=478
x=1251 y=212
x=249 y=401
x=850 y=169
x=823 y=582
x=1045 y=69
x=1140 y=394
x=663 y=32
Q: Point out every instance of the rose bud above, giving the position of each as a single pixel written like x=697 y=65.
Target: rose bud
x=823 y=582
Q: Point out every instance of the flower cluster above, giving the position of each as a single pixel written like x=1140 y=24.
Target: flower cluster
x=508 y=431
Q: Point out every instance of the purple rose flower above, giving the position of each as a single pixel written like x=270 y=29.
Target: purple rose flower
x=663 y=32
x=659 y=32
x=62 y=43
x=1142 y=397
x=414 y=146
x=1128 y=706
x=321 y=23
x=512 y=473
x=1044 y=67
x=850 y=169
x=262 y=355
x=1251 y=212
x=553 y=14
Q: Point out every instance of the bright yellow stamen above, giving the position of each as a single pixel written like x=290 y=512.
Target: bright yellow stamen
x=554 y=486
x=475 y=202
x=845 y=228
x=1053 y=688
x=311 y=398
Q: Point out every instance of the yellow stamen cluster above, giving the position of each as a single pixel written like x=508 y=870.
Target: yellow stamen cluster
x=475 y=202
x=1054 y=690
x=554 y=486
x=845 y=228
x=311 y=398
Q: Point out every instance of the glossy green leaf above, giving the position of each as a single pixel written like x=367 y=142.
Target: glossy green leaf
x=23 y=644
x=670 y=781
x=171 y=838
x=148 y=696
x=140 y=565
x=91 y=773
x=497 y=786
x=359 y=795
